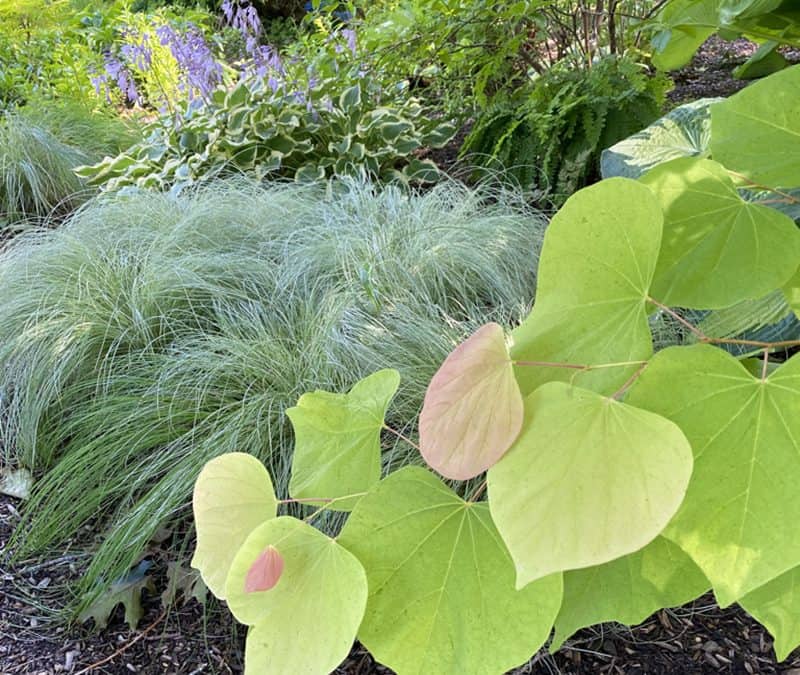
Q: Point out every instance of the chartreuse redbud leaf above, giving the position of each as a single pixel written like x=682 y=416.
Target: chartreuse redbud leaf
x=629 y=589
x=588 y=480
x=717 y=249
x=745 y=435
x=776 y=605
x=338 y=440
x=791 y=291
x=757 y=131
x=473 y=407
x=232 y=496
x=441 y=583
x=597 y=263
x=306 y=622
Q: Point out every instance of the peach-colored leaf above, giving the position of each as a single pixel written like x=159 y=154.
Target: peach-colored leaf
x=473 y=407
x=265 y=572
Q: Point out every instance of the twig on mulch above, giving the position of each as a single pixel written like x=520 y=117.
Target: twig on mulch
x=124 y=647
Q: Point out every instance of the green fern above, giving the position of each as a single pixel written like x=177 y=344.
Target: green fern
x=550 y=134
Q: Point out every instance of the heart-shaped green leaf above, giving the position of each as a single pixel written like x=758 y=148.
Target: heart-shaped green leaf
x=307 y=621
x=717 y=249
x=473 y=407
x=629 y=589
x=757 y=131
x=776 y=605
x=595 y=270
x=337 y=439
x=584 y=469
x=739 y=521
x=441 y=583
x=232 y=496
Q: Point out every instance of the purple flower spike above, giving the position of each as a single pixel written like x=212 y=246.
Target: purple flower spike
x=350 y=36
x=201 y=71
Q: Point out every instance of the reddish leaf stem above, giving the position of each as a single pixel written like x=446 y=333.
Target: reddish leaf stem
x=619 y=392
x=702 y=337
x=792 y=199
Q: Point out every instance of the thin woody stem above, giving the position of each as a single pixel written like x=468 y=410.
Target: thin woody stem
x=576 y=366
x=791 y=198
x=686 y=324
x=327 y=505
x=619 y=392
x=401 y=436
x=477 y=492
x=702 y=337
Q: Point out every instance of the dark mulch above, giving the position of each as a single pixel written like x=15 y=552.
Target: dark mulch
x=710 y=72
x=190 y=639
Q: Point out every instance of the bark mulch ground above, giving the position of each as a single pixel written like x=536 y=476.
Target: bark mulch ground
x=191 y=639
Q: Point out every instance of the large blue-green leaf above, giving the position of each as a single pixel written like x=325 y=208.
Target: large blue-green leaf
x=683 y=132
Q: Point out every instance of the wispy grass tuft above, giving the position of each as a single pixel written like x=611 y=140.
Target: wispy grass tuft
x=40 y=146
x=151 y=333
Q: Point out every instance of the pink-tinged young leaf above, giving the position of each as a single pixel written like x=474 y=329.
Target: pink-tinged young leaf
x=265 y=572
x=473 y=407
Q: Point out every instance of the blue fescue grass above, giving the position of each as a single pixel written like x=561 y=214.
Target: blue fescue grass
x=151 y=333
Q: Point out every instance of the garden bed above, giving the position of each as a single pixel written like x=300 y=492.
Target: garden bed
x=190 y=639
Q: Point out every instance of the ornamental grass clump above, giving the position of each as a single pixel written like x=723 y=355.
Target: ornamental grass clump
x=151 y=333
x=40 y=146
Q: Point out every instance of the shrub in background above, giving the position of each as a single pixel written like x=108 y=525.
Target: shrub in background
x=468 y=52
x=43 y=52
x=550 y=134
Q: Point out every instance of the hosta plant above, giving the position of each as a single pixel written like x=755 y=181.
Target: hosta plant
x=264 y=133
x=581 y=477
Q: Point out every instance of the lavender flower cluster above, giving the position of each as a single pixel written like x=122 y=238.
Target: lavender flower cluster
x=201 y=72
x=264 y=61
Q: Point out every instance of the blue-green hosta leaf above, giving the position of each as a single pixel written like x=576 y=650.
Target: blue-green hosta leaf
x=717 y=249
x=776 y=605
x=595 y=271
x=441 y=583
x=338 y=439
x=629 y=589
x=740 y=520
x=588 y=480
x=682 y=132
x=757 y=131
x=307 y=621
x=232 y=496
